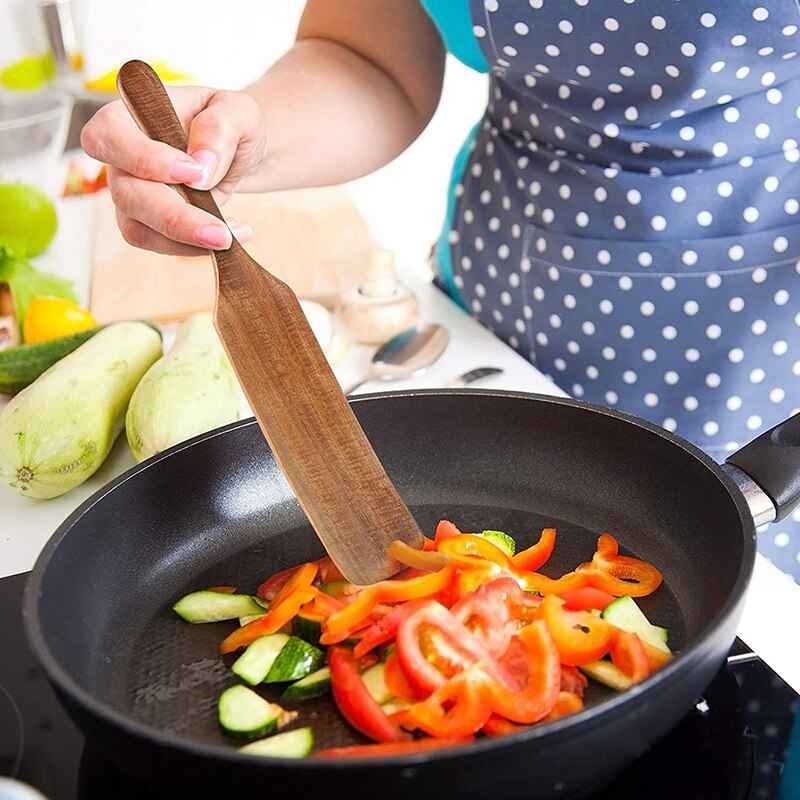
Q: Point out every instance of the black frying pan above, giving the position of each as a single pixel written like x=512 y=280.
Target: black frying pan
x=143 y=684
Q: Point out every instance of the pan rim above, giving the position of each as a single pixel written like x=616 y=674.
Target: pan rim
x=565 y=726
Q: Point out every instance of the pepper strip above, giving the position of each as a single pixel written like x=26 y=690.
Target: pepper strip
x=535 y=556
x=387 y=592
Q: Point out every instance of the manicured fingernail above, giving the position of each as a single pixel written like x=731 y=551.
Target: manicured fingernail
x=208 y=161
x=214 y=237
x=240 y=230
x=187 y=172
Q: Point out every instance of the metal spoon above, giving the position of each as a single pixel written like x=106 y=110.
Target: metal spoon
x=406 y=353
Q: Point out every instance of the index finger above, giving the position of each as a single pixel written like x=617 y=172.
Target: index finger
x=112 y=136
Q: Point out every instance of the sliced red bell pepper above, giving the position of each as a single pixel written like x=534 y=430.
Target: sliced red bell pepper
x=566 y=704
x=638 y=576
x=385 y=629
x=534 y=700
x=586 y=598
x=326 y=570
x=387 y=592
x=534 y=557
x=628 y=653
x=424 y=560
x=354 y=701
x=456 y=710
x=389 y=749
x=396 y=681
x=500 y=726
x=579 y=636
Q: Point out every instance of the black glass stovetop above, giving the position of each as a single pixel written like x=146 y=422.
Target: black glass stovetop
x=731 y=746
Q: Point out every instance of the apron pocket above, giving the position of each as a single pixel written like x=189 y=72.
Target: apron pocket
x=701 y=337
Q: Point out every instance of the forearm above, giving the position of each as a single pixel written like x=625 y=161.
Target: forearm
x=332 y=114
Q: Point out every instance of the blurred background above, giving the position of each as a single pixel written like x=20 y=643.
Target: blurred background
x=76 y=46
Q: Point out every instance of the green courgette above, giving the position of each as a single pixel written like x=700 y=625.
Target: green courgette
x=57 y=432
x=296 y=743
x=313 y=685
x=625 y=614
x=209 y=606
x=191 y=390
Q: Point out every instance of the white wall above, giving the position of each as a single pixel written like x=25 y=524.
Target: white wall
x=229 y=43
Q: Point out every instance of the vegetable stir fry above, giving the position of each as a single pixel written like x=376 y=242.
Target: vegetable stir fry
x=469 y=640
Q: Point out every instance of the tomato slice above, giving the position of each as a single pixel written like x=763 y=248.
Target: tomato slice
x=487 y=615
x=573 y=681
x=445 y=530
x=355 y=702
x=533 y=700
x=579 y=636
x=432 y=645
x=535 y=556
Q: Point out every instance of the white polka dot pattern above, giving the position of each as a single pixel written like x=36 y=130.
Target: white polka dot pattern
x=628 y=219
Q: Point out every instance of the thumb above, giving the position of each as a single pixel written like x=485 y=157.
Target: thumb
x=216 y=133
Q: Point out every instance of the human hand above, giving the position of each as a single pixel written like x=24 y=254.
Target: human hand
x=227 y=142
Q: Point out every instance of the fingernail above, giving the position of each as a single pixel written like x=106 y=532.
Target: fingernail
x=214 y=237
x=187 y=172
x=208 y=161
x=242 y=231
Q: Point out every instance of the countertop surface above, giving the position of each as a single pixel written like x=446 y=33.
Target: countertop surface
x=25 y=524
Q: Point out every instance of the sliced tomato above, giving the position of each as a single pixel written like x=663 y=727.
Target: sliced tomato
x=432 y=646
x=389 y=749
x=586 y=598
x=354 y=701
x=534 y=557
x=573 y=680
x=487 y=615
x=533 y=700
x=628 y=653
x=456 y=710
x=445 y=530
x=579 y=636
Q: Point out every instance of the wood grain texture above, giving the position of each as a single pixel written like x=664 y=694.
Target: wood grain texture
x=300 y=407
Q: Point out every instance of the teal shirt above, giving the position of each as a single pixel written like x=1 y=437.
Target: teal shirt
x=452 y=20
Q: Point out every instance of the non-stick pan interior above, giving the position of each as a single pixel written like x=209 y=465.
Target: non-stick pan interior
x=218 y=511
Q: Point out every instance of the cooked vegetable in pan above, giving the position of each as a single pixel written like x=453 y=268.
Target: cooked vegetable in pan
x=469 y=640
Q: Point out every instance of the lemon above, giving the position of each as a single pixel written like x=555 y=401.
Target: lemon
x=27 y=217
x=50 y=317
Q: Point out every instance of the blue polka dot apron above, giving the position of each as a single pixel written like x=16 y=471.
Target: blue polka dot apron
x=626 y=215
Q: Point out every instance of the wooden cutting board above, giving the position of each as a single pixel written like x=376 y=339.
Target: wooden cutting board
x=315 y=240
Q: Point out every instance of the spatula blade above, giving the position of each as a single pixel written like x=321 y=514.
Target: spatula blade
x=299 y=405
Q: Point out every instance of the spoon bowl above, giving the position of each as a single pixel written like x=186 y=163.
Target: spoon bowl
x=405 y=354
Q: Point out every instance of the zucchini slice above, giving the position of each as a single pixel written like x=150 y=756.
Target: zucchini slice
x=277 y=658
x=209 y=606
x=313 y=685
x=625 y=614
x=245 y=714
x=297 y=743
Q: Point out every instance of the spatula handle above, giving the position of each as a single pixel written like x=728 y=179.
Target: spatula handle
x=149 y=104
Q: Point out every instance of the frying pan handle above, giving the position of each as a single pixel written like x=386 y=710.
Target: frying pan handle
x=772 y=460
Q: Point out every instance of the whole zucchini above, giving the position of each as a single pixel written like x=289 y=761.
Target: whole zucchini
x=56 y=433
x=189 y=391
x=20 y=366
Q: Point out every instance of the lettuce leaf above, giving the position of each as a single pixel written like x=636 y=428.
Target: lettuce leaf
x=27 y=282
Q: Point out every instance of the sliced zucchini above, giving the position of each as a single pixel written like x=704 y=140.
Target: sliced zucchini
x=296 y=659
x=250 y=617
x=245 y=714
x=209 y=606
x=277 y=658
x=625 y=614
x=607 y=673
x=254 y=664
x=313 y=685
x=307 y=627
x=289 y=744
x=335 y=588
x=375 y=681
x=501 y=540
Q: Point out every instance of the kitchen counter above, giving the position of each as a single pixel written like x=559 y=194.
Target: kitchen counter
x=25 y=524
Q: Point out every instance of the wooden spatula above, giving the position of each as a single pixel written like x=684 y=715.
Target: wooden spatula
x=292 y=390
